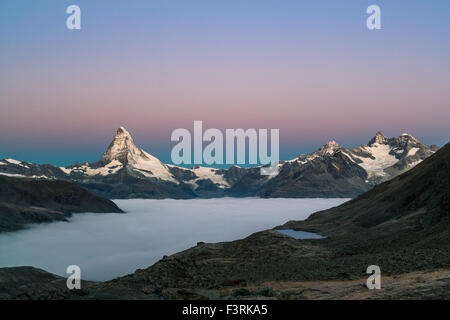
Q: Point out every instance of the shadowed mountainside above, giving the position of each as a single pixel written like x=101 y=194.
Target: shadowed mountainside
x=25 y=201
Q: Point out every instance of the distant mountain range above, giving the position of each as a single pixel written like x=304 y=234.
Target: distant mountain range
x=126 y=171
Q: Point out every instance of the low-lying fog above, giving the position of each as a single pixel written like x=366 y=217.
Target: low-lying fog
x=110 y=245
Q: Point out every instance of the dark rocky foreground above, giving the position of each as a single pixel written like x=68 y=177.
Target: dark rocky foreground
x=401 y=225
x=24 y=201
x=25 y=283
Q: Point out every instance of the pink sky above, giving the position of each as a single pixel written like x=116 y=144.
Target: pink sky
x=273 y=68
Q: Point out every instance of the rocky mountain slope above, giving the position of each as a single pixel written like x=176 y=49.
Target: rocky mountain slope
x=25 y=283
x=126 y=171
x=401 y=225
x=24 y=200
x=413 y=208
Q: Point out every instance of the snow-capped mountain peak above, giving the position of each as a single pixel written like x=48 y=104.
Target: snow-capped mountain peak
x=379 y=138
x=329 y=148
x=405 y=138
x=122 y=154
x=385 y=157
x=122 y=148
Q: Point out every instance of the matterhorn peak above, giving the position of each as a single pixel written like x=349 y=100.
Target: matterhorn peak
x=121 y=147
x=122 y=130
x=329 y=148
x=137 y=162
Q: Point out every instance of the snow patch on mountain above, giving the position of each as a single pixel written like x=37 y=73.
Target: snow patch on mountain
x=66 y=170
x=381 y=160
x=110 y=168
x=204 y=173
x=413 y=151
x=13 y=161
x=151 y=167
x=17 y=175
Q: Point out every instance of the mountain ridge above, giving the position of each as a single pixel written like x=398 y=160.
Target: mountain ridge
x=24 y=201
x=126 y=171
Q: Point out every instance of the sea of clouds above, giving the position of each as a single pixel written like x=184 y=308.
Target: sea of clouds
x=110 y=245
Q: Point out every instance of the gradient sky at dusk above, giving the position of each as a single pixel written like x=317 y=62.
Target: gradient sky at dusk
x=310 y=68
